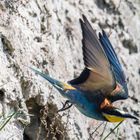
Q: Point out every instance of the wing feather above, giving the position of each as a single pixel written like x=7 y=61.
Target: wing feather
x=97 y=73
x=116 y=66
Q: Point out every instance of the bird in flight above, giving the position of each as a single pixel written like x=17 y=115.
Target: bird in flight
x=101 y=83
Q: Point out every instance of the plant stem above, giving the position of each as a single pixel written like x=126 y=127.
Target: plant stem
x=112 y=130
x=8 y=119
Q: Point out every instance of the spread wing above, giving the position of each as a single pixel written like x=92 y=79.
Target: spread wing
x=114 y=61
x=97 y=74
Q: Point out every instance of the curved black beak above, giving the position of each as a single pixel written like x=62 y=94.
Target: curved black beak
x=130 y=116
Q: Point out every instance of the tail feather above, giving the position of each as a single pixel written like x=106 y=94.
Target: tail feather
x=57 y=84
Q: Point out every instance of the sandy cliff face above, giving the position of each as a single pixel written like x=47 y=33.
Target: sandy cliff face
x=47 y=34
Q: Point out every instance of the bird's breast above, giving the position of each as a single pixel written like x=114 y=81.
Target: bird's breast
x=86 y=107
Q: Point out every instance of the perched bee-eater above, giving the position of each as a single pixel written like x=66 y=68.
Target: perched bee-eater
x=101 y=82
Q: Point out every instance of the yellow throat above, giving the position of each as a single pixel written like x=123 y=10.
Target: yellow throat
x=113 y=118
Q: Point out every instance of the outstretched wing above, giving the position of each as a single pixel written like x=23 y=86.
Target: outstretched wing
x=97 y=74
x=114 y=62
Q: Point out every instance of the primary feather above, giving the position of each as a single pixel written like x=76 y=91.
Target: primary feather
x=114 y=62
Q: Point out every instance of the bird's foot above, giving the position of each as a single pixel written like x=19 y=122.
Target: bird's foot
x=66 y=106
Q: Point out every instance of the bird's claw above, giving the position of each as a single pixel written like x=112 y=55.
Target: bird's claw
x=66 y=106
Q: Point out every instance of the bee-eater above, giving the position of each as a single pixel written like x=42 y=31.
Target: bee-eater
x=101 y=82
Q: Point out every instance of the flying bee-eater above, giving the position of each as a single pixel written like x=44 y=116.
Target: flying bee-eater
x=101 y=82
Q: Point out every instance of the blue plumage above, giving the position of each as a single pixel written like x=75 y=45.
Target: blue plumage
x=75 y=96
x=114 y=62
x=112 y=57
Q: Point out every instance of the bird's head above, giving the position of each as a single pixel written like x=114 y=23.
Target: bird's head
x=113 y=114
